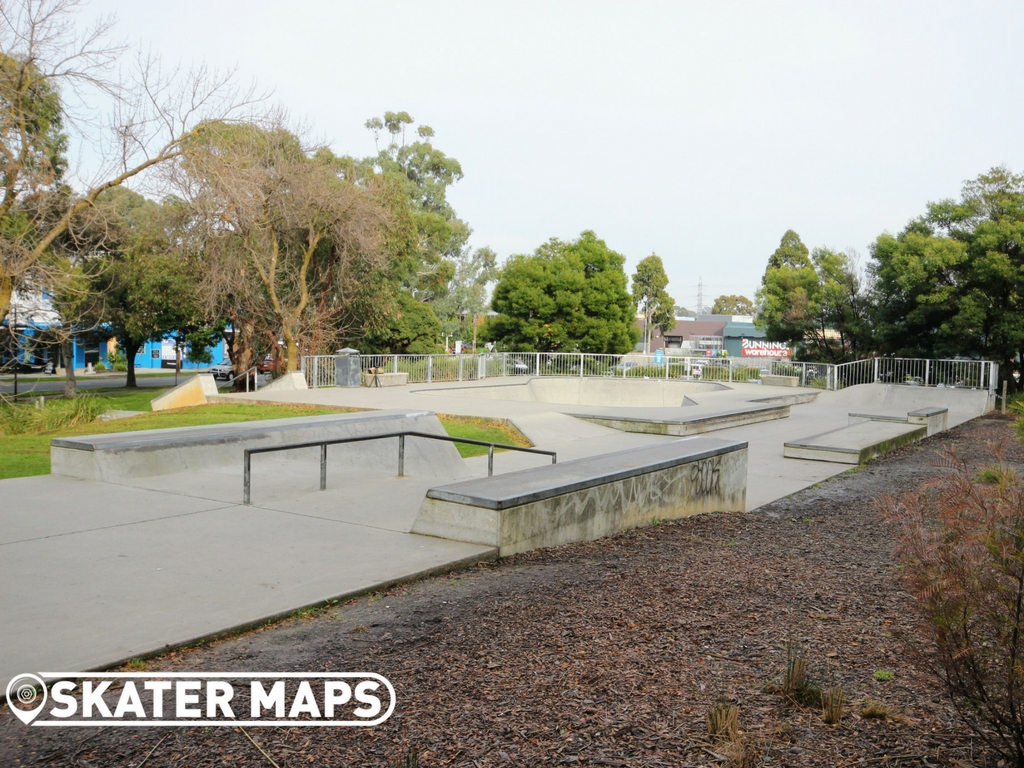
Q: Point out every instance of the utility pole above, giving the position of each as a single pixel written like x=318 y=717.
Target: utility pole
x=700 y=295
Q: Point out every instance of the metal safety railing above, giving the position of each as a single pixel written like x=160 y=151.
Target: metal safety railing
x=322 y=444
x=255 y=379
x=424 y=369
x=959 y=374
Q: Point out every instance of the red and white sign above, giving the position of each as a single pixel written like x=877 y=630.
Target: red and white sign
x=760 y=348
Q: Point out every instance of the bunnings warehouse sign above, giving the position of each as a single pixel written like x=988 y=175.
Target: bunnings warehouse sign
x=760 y=348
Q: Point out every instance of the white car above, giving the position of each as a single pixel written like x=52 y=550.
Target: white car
x=223 y=370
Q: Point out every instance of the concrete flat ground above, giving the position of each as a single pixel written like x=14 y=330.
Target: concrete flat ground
x=96 y=573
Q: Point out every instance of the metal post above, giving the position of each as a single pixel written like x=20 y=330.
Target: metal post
x=581 y=365
x=490 y=460
x=396 y=364
x=1005 y=381
x=460 y=367
x=876 y=370
x=316 y=370
x=730 y=369
x=430 y=368
x=245 y=479
x=401 y=455
x=323 y=467
x=927 y=368
x=537 y=369
x=554 y=458
x=504 y=364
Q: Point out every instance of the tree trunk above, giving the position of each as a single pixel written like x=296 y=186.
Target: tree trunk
x=67 y=348
x=129 y=360
x=242 y=348
x=291 y=348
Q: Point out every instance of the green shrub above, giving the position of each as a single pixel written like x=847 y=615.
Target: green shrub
x=117 y=361
x=26 y=418
x=99 y=367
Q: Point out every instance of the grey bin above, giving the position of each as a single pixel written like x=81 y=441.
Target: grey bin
x=347 y=369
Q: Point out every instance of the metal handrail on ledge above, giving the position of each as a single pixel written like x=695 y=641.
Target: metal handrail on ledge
x=401 y=453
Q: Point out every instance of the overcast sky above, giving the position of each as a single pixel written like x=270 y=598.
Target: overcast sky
x=697 y=131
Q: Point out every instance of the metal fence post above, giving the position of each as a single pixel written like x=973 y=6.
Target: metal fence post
x=430 y=368
x=460 y=367
x=401 y=455
x=490 y=460
x=581 y=365
x=395 y=366
x=876 y=370
x=537 y=369
x=730 y=370
x=504 y=364
x=927 y=370
x=323 y=467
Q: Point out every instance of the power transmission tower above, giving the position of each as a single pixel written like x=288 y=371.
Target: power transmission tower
x=700 y=295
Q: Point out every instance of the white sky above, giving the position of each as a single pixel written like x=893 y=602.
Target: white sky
x=699 y=131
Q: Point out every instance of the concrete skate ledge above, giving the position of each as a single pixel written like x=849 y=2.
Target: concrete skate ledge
x=857 y=443
x=589 y=498
x=685 y=426
x=122 y=456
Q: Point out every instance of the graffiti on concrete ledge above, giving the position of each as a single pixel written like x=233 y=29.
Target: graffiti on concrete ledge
x=705 y=476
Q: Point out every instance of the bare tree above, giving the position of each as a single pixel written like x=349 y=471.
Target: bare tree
x=281 y=217
x=49 y=74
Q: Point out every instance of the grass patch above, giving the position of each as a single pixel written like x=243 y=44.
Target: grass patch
x=29 y=454
x=481 y=429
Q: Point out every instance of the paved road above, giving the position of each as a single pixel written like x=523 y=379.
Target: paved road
x=56 y=384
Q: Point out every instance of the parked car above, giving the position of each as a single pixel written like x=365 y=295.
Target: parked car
x=266 y=365
x=223 y=370
x=625 y=365
x=519 y=367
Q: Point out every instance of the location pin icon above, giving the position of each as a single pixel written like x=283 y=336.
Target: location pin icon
x=22 y=693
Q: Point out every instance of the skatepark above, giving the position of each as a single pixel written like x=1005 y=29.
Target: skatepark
x=142 y=541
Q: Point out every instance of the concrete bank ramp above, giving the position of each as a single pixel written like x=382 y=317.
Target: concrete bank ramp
x=899 y=399
x=589 y=498
x=612 y=392
x=119 y=458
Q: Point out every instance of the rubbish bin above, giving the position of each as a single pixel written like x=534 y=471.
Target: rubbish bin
x=347 y=369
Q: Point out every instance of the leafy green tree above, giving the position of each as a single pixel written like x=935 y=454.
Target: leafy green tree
x=733 y=305
x=651 y=298
x=816 y=302
x=142 y=290
x=564 y=297
x=952 y=282
x=786 y=292
x=412 y=328
x=425 y=173
x=466 y=296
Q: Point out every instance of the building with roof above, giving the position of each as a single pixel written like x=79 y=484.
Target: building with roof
x=709 y=335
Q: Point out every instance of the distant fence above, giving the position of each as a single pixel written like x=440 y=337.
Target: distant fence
x=425 y=369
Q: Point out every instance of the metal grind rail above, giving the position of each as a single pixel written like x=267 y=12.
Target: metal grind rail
x=322 y=444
